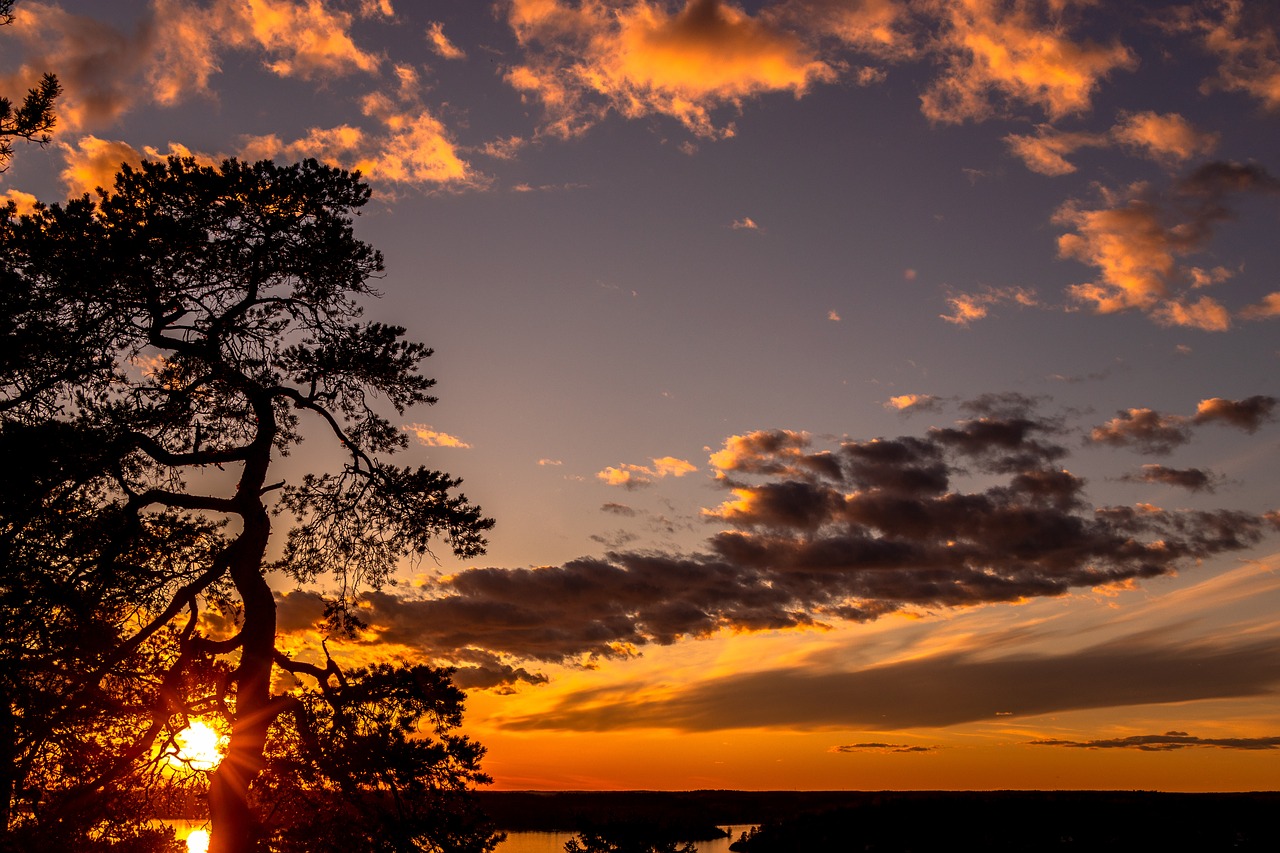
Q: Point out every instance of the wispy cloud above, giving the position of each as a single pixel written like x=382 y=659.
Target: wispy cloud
x=967 y=308
x=1192 y=479
x=1166 y=742
x=937 y=690
x=1167 y=138
x=440 y=42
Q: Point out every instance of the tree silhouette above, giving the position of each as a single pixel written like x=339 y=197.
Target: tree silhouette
x=34 y=118
x=627 y=836
x=176 y=338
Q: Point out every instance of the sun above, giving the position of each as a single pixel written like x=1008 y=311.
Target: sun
x=197 y=747
x=198 y=841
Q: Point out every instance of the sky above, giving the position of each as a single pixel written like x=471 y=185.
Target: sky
x=870 y=394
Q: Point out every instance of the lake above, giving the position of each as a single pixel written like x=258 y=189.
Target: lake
x=553 y=842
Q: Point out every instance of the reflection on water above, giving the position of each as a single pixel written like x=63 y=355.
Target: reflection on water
x=194 y=832
x=553 y=842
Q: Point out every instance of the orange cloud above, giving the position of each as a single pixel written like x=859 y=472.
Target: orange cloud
x=413 y=148
x=1243 y=37
x=913 y=402
x=1268 y=307
x=1138 y=241
x=1047 y=151
x=633 y=476
x=22 y=202
x=746 y=223
x=876 y=27
x=638 y=59
x=93 y=163
x=1021 y=51
x=440 y=42
x=1167 y=138
x=968 y=307
x=429 y=437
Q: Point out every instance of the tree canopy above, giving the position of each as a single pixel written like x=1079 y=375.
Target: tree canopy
x=172 y=340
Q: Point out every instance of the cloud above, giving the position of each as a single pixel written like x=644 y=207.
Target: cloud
x=914 y=403
x=1138 y=239
x=440 y=42
x=833 y=316
x=618 y=509
x=1243 y=36
x=553 y=462
x=428 y=437
x=22 y=202
x=968 y=307
x=413 y=147
x=1019 y=52
x=1192 y=479
x=939 y=690
x=93 y=163
x=1247 y=414
x=1155 y=433
x=639 y=59
x=1166 y=742
x=95 y=63
x=1168 y=139
x=1269 y=307
x=1146 y=429
x=1047 y=151
x=745 y=223
x=815 y=535
x=881 y=748
x=297 y=38
x=634 y=476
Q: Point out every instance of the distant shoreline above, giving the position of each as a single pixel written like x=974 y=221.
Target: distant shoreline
x=703 y=811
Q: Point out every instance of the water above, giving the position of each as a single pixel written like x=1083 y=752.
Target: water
x=553 y=842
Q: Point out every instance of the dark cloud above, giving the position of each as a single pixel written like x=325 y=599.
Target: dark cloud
x=881 y=747
x=478 y=669
x=941 y=690
x=618 y=509
x=1193 y=479
x=616 y=539
x=1217 y=179
x=1151 y=432
x=1167 y=742
x=1247 y=414
x=814 y=535
x=1146 y=429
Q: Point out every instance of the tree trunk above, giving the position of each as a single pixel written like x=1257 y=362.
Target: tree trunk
x=233 y=826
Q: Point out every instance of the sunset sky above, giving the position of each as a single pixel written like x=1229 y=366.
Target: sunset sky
x=869 y=393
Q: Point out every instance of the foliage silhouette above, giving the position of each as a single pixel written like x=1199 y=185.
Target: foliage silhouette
x=174 y=339
x=621 y=836
x=34 y=118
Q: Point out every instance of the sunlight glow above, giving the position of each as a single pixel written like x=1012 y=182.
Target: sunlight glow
x=199 y=747
x=198 y=841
